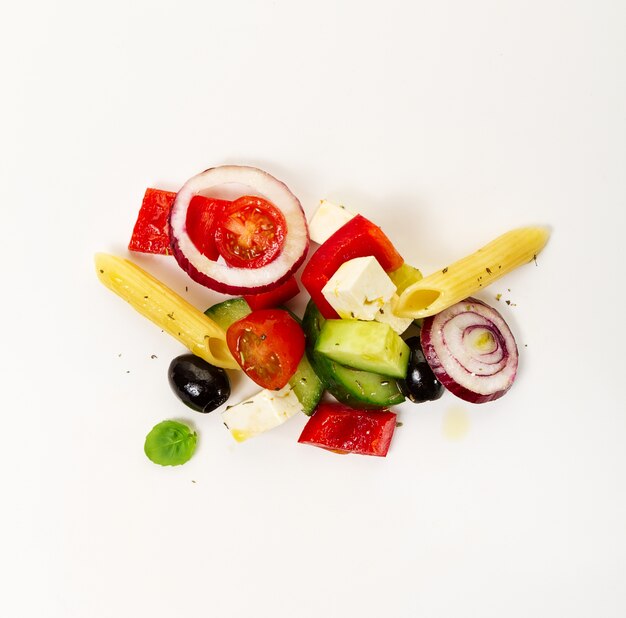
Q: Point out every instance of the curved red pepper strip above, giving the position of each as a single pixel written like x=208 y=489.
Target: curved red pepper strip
x=359 y=237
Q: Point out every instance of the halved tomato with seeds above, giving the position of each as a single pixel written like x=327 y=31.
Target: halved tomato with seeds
x=250 y=233
x=268 y=345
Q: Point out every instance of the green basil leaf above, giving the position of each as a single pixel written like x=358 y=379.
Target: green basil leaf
x=170 y=444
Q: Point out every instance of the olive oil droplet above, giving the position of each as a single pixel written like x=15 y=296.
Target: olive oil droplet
x=456 y=423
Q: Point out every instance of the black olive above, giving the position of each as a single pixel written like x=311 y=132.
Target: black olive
x=420 y=383
x=198 y=384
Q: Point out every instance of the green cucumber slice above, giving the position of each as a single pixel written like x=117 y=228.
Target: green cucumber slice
x=307 y=386
x=366 y=345
x=228 y=312
x=359 y=389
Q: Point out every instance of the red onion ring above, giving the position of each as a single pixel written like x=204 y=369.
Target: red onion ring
x=219 y=276
x=471 y=351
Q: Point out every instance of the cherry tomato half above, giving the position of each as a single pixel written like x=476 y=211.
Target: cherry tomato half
x=268 y=345
x=250 y=233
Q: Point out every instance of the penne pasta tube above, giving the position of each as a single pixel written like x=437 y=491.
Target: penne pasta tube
x=460 y=280
x=166 y=309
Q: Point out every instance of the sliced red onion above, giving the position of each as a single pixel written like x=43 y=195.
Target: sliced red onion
x=471 y=351
x=218 y=275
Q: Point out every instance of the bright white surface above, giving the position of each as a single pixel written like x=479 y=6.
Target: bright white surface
x=445 y=122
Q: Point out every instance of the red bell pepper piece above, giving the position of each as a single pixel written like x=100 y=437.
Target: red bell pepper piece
x=274 y=298
x=357 y=238
x=151 y=233
x=201 y=217
x=340 y=428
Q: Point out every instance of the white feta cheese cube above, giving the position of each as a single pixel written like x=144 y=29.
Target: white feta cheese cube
x=359 y=288
x=328 y=218
x=264 y=411
x=386 y=314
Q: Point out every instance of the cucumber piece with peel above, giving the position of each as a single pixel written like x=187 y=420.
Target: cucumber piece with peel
x=307 y=386
x=228 y=312
x=358 y=389
x=366 y=345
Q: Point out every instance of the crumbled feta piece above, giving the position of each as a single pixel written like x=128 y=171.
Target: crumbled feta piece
x=328 y=218
x=359 y=288
x=386 y=314
x=263 y=411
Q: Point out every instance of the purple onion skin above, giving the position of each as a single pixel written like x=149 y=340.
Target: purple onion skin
x=432 y=358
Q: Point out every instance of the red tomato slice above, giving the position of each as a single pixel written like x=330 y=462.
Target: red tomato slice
x=268 y=345
x=250 y=233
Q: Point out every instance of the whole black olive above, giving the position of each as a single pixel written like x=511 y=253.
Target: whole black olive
x=198 y=384
x=420 y=383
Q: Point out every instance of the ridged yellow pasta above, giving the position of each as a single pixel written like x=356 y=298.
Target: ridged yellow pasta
x=456 y=282
x=166 y=309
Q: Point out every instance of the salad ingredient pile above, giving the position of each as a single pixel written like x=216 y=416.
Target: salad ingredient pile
x=362 y=338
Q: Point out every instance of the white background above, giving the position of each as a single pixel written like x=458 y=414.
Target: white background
x=447 y=123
